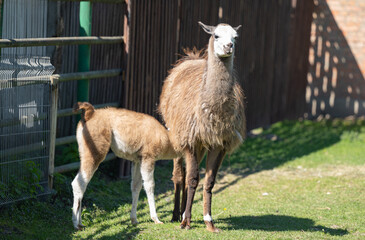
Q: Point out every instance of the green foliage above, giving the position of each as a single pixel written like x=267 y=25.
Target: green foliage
x=26 y=184
x=67 y=154
x=62 y=185
x=33 y=177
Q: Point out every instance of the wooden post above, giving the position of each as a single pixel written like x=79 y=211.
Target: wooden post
x=53 y=130
x=124 y=165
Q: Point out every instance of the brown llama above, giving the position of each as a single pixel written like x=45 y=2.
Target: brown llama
x=137 y=137
x=202 y=106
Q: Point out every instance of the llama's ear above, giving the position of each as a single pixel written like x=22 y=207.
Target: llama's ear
x=206 y=28
x=237 y=28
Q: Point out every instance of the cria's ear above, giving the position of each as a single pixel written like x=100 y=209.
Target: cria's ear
x=238 y=27
x=206 y=28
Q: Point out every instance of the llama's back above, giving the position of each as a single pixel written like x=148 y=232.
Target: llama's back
x=179 y=100
x=138 y=134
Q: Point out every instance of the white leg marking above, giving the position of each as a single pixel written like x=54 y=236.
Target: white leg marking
x=183 y=216
x=208 y=218
x=149 y=186
x=136 y=187
x=79 y=185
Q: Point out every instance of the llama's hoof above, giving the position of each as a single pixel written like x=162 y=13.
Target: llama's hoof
x=79 y=227
x=187 y=227
x=134 y=221
x=183 y=224
x=186 y=224
x=157 y=221
x=211 y=228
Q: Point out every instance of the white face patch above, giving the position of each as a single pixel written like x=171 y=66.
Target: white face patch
x=224 y=40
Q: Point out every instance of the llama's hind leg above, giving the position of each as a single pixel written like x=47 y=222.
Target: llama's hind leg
x=147 y=169
x=136 y=187
x=184 y=196
x=178 y=178
x=79 y=185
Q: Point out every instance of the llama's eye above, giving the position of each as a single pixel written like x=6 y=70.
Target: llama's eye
x=216 y=37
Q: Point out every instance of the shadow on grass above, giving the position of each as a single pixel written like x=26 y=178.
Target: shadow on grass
x=279 y=223
x=287 y=140
x=284 y=142
x=130 y=232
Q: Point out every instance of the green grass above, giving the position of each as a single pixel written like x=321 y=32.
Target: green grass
x=294 y=180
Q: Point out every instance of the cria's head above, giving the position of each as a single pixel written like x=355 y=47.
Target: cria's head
x=224 y=38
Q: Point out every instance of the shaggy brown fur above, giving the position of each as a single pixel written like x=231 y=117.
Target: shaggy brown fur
x=134 y=136
x=202 y=106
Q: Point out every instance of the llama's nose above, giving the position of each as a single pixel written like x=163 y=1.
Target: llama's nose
x=228 y=48
x=229 y=45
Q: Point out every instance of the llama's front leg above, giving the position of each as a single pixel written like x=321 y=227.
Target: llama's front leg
x=136 y=187
x=214 y=160
x=192 y=160
x=79 y=185
x=147 y=169
x=178 y=177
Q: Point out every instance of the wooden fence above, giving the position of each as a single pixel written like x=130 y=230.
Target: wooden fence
x=271 y=58
x=107 y=20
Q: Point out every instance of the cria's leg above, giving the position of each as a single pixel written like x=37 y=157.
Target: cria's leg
x=79 y=185
x=92 y=153
x=214 y=160
x=136 y=187
x=147 y=169
x=178 y=178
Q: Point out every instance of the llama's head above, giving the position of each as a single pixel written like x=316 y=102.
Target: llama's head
x=224 y=38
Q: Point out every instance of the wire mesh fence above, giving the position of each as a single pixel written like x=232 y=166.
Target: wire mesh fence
x=25 y=91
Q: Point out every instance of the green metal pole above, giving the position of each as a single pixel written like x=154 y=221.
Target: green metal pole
x=84 y=51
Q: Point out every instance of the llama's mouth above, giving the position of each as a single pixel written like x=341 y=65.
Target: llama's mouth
x=225 y=55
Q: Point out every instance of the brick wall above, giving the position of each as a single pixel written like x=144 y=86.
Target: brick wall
x=336 y=85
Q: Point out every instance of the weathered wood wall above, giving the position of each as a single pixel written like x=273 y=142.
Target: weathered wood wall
x=271 y=58
x=107 y=20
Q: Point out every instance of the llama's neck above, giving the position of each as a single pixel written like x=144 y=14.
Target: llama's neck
x=216 y=64
x=218 y=79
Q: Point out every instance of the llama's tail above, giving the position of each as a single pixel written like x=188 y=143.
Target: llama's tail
x=86 y=108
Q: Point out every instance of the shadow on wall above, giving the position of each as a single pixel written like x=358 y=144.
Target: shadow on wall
x=336 y=86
